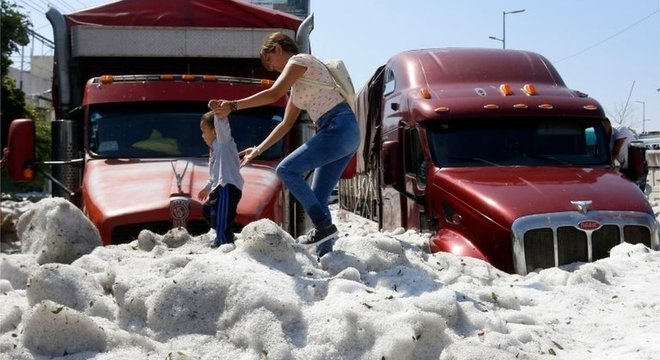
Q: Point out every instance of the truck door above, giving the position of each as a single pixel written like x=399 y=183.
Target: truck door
x=414 y=180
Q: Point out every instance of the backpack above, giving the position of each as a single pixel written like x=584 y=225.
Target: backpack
x=342 y=80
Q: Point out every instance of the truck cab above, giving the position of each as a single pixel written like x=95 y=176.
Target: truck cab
x=131 y=82
x=489 y=151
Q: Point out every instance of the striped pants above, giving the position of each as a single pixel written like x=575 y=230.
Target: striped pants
x=220 y=211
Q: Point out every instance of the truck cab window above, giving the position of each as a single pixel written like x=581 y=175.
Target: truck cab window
x=414 y=156
x=518 y=142
x=166 y=130
x=388 y=82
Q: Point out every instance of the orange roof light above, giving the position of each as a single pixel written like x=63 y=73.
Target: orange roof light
x=187 y=77
x=106 y=79
x=208 y=78
x=426 y=94
x=529 y=89
x=167 y=77
x=546 y=106
x=590 y=107
x=441 y=109
x=520 y=106
x=491 y=107
x=505 y=89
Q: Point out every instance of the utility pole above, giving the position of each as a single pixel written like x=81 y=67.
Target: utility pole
x=643 y=115
x=504 y=14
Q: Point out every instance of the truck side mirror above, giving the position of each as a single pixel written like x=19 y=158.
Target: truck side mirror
x=391 y=167
x=21 y=150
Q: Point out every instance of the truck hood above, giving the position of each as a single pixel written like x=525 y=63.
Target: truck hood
x=121 y=191
x=504 y=194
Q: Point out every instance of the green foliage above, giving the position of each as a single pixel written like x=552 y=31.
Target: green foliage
x=43 y=147
x=13 y=100
x=13 y=32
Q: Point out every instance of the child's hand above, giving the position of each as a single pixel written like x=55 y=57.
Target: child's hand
x=221 y=108
x=203 y=194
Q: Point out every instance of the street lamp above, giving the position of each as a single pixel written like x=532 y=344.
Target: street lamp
x=643 y=115
x=504 y=14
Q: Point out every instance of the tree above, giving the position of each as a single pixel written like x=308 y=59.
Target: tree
x=14 y=34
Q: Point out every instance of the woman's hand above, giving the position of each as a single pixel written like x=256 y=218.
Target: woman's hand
x=221 y=108
x=248 y=155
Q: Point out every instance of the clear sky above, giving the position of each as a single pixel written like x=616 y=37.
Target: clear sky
x=609 y=49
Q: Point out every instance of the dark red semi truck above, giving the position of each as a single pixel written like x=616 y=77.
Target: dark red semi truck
x=131 y=81
x=492 y=153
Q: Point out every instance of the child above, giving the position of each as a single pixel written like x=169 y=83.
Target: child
x=224 y=188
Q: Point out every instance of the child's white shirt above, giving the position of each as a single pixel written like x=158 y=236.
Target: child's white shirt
x=224 y=163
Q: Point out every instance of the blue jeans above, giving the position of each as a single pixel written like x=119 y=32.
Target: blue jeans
x=327 y=153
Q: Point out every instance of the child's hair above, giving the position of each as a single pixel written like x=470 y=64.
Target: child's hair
x=207 y=119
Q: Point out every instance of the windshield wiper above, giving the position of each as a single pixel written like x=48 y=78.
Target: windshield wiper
x=548 y=157
x=475 y=159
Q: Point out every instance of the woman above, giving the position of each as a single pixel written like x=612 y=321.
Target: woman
x=327 y=152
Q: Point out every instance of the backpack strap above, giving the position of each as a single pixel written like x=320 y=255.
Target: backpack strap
x=321 y=84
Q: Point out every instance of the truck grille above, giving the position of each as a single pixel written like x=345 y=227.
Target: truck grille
x=547 y=240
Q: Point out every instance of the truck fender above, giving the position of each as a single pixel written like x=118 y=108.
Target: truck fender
x=448 y=240
x=21 y=150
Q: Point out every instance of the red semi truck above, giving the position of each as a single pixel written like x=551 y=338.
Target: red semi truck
x=131 y=81
x=491 y=152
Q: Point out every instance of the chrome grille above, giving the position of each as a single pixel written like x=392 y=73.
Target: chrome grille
x=546 y=240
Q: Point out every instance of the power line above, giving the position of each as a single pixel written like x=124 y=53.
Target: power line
x=32 y=5
x=82 y=4
x=65 y=5
x=610 y=37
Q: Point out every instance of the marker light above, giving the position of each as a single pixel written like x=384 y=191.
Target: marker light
x=442 y=109
x=520 y=106
x=267 y=83
x=529 y=89
x=106 y=79
x=491 y=107
x=167 y=77
x=208 y=78
x=187 y=77
x=28 y=173
x=505 y=89
x=426 y=94
x=545 y=106
x=590 y=107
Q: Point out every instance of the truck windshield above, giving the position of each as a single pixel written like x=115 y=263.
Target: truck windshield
x=171 y=130
x=518 y=142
